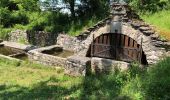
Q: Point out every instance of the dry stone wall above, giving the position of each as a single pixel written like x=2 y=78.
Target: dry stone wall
x=18 y=36
x=46 y=59
x=37 y=38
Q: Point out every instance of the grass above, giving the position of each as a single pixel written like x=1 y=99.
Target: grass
x=78 y=27
x=161 y=22
x=29 y=81
x=32 y=81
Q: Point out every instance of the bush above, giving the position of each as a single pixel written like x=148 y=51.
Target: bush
x=149 y=5
x=19 y=17
x=157 y=81
x=150 y=84
x=37 y=21
x=5 y=17
x=4 y=32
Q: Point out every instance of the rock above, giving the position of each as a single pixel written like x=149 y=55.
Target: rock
x=144 y=28
x=154 y=36
x=136 y=25
x=148 y=33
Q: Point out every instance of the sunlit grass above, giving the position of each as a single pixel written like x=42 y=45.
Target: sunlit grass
x=78 y=27
x=161 y=21
x=28 y=77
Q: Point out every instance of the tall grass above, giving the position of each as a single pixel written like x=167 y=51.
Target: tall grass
x=160 y=20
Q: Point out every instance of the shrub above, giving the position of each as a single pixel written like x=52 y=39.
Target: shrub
x=19 y=17
x=5 y=17
x=4 y=32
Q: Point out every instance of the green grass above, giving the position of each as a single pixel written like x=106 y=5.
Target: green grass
x=78 y=27
x=161 y=22
x=30 y=81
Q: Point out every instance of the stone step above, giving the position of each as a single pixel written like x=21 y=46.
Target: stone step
x=125 y=19
x=154 y=36
x=148 y=33
x=85 y=35
x=135 y=24
x=144 y=28
x=91 y=29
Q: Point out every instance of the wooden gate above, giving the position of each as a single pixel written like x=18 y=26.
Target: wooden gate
x=116 y=46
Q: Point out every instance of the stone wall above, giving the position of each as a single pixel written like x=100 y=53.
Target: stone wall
x=41 y=38
x=69 y=43
x=37 y=38
x=46 y=59
x=18 y=36
x=73 y=65
x=100 y=65
x=77 y=65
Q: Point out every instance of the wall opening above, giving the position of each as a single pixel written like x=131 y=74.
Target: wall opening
x=117 y=47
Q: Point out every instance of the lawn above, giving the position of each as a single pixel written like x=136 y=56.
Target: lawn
x=30 y=81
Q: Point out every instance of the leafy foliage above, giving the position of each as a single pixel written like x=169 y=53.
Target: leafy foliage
x=149 y=5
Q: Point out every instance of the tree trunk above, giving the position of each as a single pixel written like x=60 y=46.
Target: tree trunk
x=72 y=5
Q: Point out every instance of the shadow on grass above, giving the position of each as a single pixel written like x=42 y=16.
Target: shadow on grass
x=41 y=91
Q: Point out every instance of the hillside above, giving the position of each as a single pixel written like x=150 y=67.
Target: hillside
x=161 y=22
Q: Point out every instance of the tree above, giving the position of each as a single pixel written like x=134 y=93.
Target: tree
x=72 y=6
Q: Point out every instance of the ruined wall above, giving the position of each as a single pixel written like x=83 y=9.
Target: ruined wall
x=37 y=38
x=18 y=36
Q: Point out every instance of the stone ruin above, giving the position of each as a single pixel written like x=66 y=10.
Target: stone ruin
x=78 y=64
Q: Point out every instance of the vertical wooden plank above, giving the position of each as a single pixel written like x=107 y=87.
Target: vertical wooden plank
x=108 y=39
x=135 y=54
x=118 y=45
x=102 y=42
x=126 y=41
x=140 y=56
x=121 y=46
x=96 y=47
x=105 y=39
x=131 y=46
x=113 y=38
x=126 y=51
x=108 y=43
x=99 y=42
x=122 y=40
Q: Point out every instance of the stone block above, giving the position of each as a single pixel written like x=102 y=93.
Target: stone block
x=99 y=65
x=77 y=65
